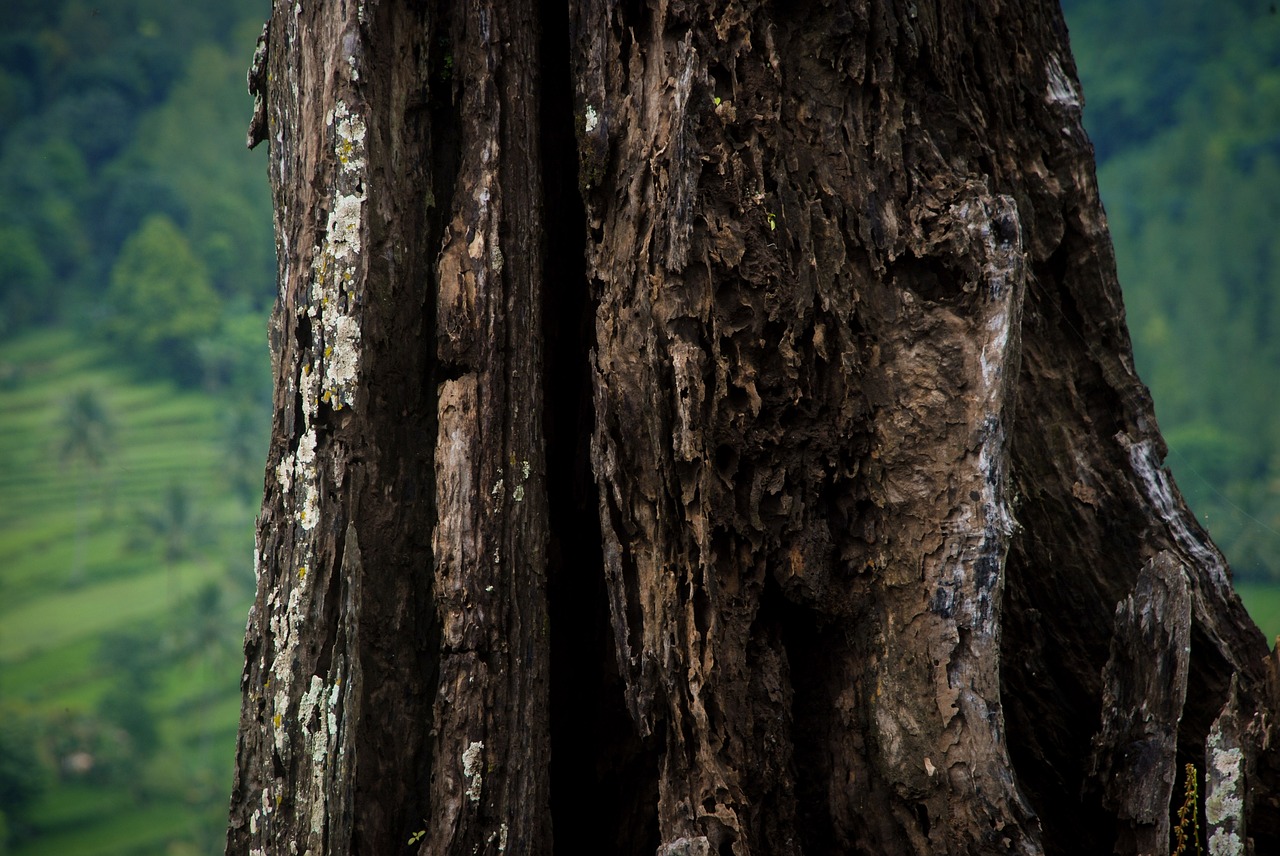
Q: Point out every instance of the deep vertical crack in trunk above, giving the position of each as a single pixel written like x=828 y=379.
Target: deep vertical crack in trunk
x=763 y=479
x=603 y=777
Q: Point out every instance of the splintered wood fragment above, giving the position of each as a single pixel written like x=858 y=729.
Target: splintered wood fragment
x=1134 y=763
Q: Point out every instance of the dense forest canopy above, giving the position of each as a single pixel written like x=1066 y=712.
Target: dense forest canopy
x=118 y=119
x=134 y=219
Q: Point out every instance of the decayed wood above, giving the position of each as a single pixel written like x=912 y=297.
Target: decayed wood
x=1262 y=736
x=396 y=658
x=490 y=723
x=1134 y=761
x=858 y=320
x=804 y=371
x=886 y=540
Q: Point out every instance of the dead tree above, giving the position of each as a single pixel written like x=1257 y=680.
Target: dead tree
x=712 y=429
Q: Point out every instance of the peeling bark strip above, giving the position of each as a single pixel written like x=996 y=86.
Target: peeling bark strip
x=396 y=655
x=887 y=560
x=1144 y=688
x=491 y=744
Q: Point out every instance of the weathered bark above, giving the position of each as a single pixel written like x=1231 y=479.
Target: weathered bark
x=1144 y=691
x=858 y=313
x=850 y=505
x=396 y=658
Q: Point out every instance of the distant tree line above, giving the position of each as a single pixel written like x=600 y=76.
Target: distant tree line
x=1183 y=106
x=132 y=210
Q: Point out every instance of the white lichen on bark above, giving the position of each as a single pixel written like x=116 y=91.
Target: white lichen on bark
x=1224 y=798
x=472 y=769
x=335 y=298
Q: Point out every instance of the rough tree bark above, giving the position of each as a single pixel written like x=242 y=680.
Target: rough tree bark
x=712 y=429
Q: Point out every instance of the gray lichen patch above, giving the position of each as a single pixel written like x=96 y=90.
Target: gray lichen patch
x=350 y=129
x=335 y=296
x=682 y=846
x=472 y=769
x=329 y=373
x=1224 y=809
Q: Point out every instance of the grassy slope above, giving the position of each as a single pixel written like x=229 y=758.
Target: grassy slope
x=75 y=564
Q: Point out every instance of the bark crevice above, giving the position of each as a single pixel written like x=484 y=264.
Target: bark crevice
x=603 y=775
x=702 y=429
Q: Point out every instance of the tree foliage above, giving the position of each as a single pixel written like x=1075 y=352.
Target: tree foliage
x=132 y=215
x=86 y=430
x=113 y=116
x=24 y=775
x=161 y=300
x=1183 y=105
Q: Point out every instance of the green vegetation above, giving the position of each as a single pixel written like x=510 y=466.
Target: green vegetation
x=1263 y=601
x=1183 y=106
x=136 y=270
x=122 y=600
x=160 y=299
x=1188 y=827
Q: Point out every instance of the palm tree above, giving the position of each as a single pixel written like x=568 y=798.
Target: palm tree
x=86 y=437
x=174 y=526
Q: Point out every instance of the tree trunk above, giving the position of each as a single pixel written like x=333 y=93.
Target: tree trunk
x=770 y=477
x=396 y=674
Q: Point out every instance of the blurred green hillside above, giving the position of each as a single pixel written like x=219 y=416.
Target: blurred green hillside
x=136 y=273
x=1182 y=100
